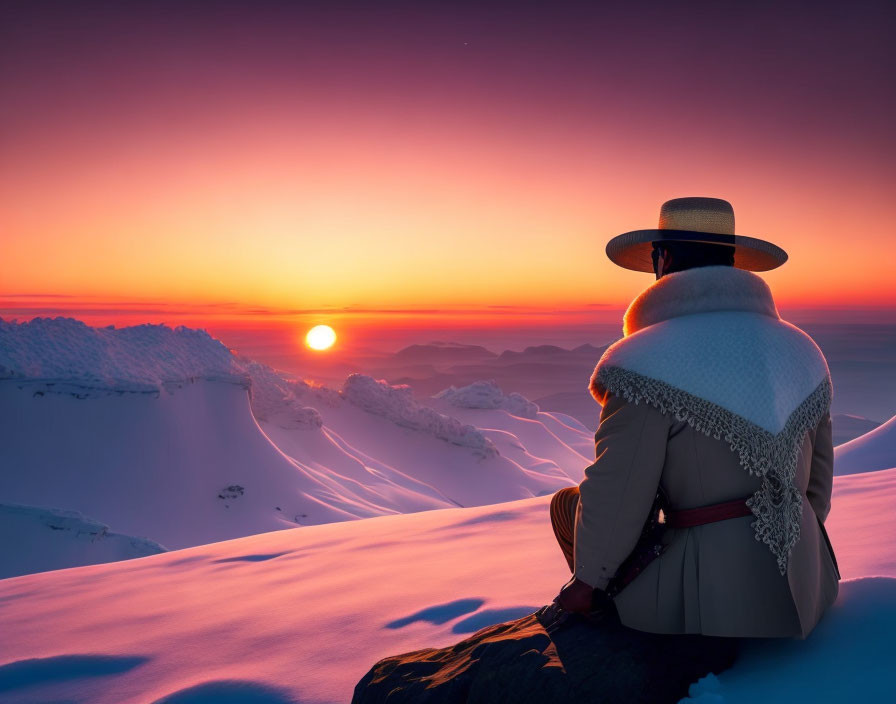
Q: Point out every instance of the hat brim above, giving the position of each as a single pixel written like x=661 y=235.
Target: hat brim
x=632 y=250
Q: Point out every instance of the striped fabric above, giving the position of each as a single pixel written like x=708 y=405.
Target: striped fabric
x=563 y=520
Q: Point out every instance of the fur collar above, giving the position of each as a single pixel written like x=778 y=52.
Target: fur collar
x=714 y=332
x=702 y=290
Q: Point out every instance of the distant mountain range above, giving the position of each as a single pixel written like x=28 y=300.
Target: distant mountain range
x=442 y=353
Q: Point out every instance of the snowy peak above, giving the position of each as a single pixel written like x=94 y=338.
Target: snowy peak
x=137 y=358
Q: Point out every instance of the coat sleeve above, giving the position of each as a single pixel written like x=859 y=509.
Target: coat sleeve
x=619 y=487
x=821 y=473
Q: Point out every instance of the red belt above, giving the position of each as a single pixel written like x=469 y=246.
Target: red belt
x=690 y=517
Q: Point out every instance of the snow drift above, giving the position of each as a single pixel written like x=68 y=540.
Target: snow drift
x=300 y=615
x=848 y=427
x=40 y=539
x=868 y=453
x=396 y=403
x=487 y=394
x=183 y=467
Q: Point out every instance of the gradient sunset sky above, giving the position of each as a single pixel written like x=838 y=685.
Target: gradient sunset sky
x=265 y=158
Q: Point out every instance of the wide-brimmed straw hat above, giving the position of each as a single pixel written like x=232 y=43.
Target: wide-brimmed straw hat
x=709 y=220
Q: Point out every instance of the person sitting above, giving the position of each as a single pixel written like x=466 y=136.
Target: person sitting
x=714 y=404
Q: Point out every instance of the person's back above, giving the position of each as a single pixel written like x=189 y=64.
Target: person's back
x=711 y=397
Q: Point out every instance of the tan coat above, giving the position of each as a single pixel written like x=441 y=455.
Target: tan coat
x=712 y=396
x=715 y=579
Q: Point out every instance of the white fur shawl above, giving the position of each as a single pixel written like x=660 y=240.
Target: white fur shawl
x=708 y=346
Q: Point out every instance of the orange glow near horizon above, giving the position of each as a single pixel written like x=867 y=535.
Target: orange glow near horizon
x=389 y=163
x=451 y=233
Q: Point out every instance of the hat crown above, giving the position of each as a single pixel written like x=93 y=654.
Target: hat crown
x=712 y=215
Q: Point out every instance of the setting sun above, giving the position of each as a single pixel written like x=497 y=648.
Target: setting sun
x=320 y=337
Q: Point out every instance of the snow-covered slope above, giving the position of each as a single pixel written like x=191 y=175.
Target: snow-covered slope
x=848 y=427
x=380 y=436
x=164 y=433
x=300 y=615
x=847 y=659
x=184 y=467
x=38 y=539
x=868 y=453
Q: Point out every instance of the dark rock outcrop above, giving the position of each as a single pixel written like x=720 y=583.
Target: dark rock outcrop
x=521 y=661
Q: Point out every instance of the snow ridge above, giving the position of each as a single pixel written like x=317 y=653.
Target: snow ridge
x=275 y=399
x=487 y=394
x=397 y=404
x=137 y=358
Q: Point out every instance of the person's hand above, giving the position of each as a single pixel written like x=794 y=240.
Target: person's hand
x=576 y=596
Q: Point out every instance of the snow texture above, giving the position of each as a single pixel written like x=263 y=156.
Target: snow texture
x=844 y=660
x=397 y=404
x=487 y=394
x=713 y=332
x=138 y=358
x=286 y=614
x=274 y=399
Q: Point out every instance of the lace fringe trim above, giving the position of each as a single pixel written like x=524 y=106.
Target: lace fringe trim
x=777 y=505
